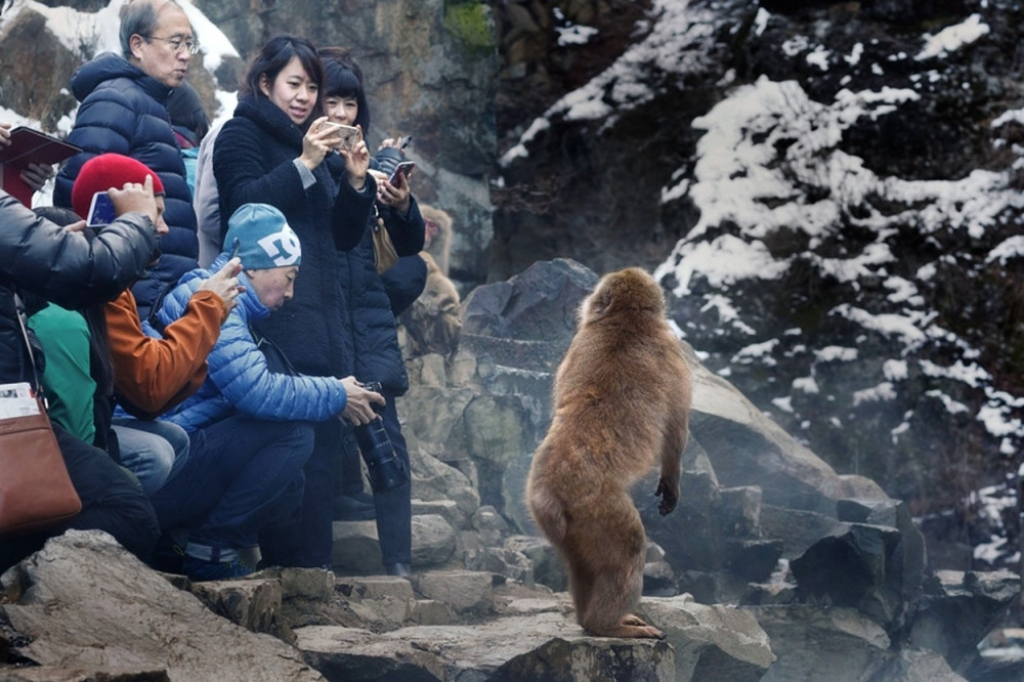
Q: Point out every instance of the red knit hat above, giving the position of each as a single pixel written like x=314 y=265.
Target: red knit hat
x=102 y=172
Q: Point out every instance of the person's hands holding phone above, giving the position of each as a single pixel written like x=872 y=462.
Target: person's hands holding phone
x=395 y=191
x=137 y=197
x=318 y=141
x=357 y=162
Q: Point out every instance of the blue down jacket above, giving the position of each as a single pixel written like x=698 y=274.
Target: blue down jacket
x=123 y=111
x=239 y=378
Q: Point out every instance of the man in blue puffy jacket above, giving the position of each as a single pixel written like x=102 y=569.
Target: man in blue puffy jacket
x=249 y=423
x=123 y=110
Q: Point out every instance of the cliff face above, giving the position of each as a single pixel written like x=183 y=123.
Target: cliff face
x=836 y=186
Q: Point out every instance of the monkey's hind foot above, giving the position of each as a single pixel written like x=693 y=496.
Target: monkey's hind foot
x=631 y=627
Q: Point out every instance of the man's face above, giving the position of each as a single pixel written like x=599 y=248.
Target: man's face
x=274 y=286
x=165 y=54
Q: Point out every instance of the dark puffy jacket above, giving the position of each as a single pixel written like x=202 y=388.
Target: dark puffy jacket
x=40 y=257
x=253 y=162
x=124 y=111
x=371 y=321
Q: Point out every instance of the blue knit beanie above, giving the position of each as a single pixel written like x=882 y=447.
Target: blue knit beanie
x=264 y=238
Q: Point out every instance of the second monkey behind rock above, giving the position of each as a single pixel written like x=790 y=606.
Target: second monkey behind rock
x=621 y=405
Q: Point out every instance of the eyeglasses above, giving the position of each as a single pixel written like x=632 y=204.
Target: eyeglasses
x=178 y=43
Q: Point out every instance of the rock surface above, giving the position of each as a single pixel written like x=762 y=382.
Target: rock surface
x=84 y=603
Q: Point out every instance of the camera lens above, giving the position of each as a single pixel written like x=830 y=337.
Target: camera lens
x=385 y=468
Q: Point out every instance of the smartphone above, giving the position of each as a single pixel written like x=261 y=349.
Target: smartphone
x=403 y=169
x=234 y=248
x=346 y=135
x=101 y=210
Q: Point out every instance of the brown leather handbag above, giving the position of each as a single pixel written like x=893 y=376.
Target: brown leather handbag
x=35 y=489
x=384 y=254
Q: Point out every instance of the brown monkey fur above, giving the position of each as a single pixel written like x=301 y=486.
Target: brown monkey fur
x=438 y=242
x=434 y=320
x=621 y=404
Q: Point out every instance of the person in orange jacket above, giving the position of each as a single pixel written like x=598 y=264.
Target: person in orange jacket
x=152 y=374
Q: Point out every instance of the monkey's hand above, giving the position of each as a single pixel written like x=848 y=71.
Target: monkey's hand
x=669 y=493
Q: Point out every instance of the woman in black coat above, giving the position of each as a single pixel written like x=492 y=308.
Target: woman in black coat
x=275 y=151
x=373 y=329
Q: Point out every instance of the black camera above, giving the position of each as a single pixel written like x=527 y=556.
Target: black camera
x=386 y=469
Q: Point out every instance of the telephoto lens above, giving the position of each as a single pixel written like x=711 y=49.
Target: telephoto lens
x=386 y=469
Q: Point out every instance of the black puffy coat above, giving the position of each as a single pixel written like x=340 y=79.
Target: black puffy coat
x=372 y=328
x=40 y=257
x=253 y=163
x=123 y=111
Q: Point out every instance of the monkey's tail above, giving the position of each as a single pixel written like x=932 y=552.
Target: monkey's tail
x=549 y=514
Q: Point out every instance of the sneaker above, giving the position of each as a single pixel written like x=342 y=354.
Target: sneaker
x=357 y=507
x=200 y=570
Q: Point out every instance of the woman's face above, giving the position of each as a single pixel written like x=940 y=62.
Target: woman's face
x=342 y=109
x=293 y=91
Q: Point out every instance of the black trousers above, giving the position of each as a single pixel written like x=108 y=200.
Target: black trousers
x=112 y=501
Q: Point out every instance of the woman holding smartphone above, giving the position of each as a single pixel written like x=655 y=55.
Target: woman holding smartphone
x=277 y=151
x=373 y=330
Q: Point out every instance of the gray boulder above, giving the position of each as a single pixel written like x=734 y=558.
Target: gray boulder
x=540 y=647
x=958 y=610
x=712 y=643
x=115 y=614
x=822 y=643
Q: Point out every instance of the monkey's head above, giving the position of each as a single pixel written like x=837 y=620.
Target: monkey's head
x=626 y=292
x=437 y=221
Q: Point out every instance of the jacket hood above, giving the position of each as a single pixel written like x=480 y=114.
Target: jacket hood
x=107 y=67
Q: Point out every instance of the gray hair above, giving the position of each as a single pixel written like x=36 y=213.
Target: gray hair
x=142 y=17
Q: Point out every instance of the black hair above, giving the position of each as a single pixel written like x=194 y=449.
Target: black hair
x=275 y=54
x=344 y=78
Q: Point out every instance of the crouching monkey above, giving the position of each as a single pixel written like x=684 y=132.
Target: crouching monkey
x=621 y=403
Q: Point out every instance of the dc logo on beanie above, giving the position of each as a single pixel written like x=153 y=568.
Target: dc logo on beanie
x=282 y=247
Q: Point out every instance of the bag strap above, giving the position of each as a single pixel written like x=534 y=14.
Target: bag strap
x=19 y=312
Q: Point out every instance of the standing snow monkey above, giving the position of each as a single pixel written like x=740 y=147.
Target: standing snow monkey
x=622 y=403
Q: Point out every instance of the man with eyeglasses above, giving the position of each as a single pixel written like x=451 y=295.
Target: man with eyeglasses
x=123 y=110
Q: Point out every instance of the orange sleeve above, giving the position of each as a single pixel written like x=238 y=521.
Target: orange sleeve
x=157 y=374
